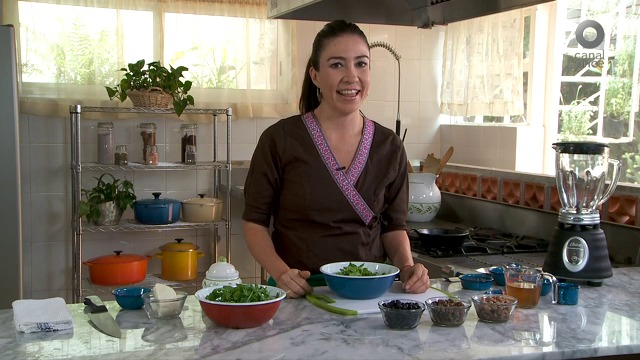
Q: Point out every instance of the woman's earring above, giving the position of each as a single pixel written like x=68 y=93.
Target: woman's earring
x=319 y=94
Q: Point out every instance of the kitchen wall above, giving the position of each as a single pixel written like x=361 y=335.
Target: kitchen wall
x=45 y=159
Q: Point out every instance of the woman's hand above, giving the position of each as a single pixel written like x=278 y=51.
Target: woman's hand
x=294 y=283
x=415 y=278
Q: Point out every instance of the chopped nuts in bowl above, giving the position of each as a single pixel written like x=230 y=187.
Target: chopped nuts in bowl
x=494 y=307
x=445 y=311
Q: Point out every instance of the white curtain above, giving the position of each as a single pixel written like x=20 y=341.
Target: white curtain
x=482 y=71
x=71 y=49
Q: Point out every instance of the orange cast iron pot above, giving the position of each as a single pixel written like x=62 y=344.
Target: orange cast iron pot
x=179 y=260
x=118 y=269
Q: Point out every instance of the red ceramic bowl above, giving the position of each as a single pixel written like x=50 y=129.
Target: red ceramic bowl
x=240 y=315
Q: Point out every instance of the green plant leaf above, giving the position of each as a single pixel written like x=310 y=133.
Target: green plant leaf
x=136 y=77
x=121 y=192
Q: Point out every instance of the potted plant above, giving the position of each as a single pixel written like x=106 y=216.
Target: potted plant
x=575 y=121
x=105 y=202
x=617 y=106
x=154 y=78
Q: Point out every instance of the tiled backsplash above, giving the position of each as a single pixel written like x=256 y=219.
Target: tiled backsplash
x=533 y=191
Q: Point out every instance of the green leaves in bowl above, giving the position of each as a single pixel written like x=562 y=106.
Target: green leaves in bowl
x=356 y=270
x=240 y=293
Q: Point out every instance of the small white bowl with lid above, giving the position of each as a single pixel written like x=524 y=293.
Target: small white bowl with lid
x=221 y=273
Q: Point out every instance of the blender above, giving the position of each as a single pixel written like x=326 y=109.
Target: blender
x=578 y=248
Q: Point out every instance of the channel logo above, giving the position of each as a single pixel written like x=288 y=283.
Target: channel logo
x=593 y=47
x=597 y=42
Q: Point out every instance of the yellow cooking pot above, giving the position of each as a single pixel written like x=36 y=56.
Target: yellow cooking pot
x=179 y=260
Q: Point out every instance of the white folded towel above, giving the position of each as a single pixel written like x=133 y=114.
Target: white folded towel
x=41 y=315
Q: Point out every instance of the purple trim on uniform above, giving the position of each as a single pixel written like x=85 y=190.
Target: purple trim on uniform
x=345 y=181
x=362 y=154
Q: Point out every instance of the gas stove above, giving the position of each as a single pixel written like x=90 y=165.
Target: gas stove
x=483 y=248
x=483 y=241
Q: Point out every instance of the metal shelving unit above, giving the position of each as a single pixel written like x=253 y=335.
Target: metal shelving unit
x=77 y=167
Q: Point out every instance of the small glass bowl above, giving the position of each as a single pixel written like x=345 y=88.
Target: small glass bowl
x=165 y=308
x=401 y=314
x=445 y=311
x=494 y=308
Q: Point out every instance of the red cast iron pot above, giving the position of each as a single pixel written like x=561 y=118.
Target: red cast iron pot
x=118 y=269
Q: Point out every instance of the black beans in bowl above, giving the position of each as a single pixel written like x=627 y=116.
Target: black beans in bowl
x=401 y=314
x=446 y=311
x=495 y=307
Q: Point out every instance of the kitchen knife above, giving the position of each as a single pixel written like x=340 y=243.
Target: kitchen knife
x=100 y=316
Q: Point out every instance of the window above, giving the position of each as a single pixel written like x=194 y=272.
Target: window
x=526 y=63
x=481 y=78
x=598 y=82
x=234 y=55
x=581 y=68
x=596 y=85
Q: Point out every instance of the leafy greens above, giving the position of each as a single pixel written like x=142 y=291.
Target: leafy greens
x=240 y=293
x=356 y=270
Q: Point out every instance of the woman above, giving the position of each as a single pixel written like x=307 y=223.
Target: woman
x=333 y=182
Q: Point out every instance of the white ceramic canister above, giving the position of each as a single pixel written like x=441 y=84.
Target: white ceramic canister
x=424 y=197
x=105 y=143
x=221 y=273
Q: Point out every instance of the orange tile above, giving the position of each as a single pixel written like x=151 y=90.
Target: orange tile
x=554 y=200
x=469 y=185
x=622 y=210
x=451 y=182
x=489 y=187
x=534 y=195
x=511 y=191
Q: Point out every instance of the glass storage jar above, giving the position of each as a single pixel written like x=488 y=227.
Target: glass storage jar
x=105 y=143
x=151 y=155
x=122 y=157
x=188 y=141
x=148 y=134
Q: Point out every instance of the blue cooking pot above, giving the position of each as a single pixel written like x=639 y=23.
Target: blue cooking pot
x=156 y=211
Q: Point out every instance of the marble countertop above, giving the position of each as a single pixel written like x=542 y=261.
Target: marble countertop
x=605 y=322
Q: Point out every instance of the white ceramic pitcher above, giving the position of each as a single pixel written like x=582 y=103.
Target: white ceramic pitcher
x=424 y=197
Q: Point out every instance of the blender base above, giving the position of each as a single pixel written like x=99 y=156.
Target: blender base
x=578 y=252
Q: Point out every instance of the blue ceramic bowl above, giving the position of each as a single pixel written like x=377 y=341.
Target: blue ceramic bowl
x=476 y=281
x=546 y=287
x=498 y=275
x=130 y=298
x=359 y=287
x=494 y=291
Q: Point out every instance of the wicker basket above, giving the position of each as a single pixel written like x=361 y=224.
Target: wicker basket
x=152 y=98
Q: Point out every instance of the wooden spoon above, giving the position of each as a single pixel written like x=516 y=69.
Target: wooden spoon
x=409 y=167
x=445 y=159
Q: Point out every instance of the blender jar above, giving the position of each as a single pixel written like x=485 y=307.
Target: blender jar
x=581 y=174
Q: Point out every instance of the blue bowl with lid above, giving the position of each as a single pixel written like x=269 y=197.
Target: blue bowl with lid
x=476 y=281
